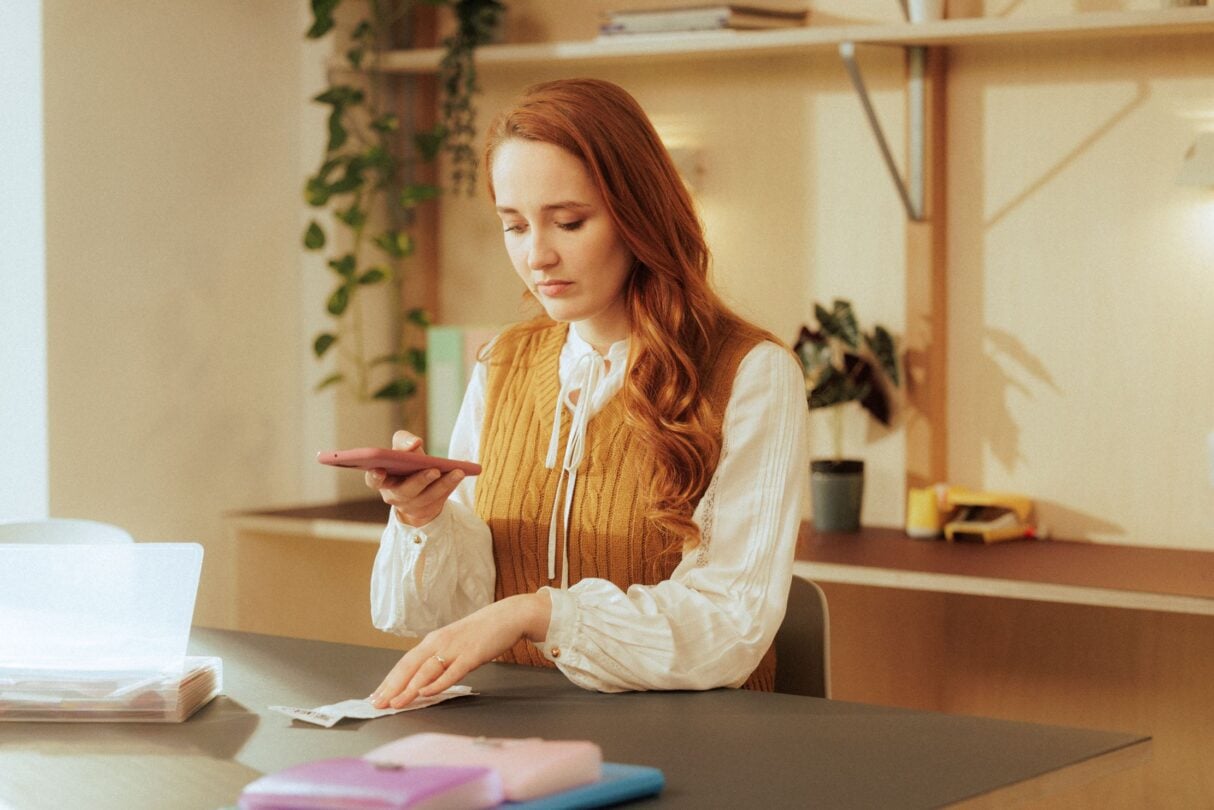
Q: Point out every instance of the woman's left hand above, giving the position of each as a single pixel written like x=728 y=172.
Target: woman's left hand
x=446 y=655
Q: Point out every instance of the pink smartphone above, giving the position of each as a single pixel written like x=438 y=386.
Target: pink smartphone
x=394 y=462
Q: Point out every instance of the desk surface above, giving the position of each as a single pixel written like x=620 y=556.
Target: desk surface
x=1106 y=575
x=723 y=748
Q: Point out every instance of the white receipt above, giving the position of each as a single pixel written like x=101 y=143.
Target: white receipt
x=361 y=708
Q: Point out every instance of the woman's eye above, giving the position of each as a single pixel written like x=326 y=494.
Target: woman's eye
x=514 y=229
x=570 y=226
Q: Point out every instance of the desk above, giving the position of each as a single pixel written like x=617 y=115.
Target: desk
x=1048 y=631
x=723 y=748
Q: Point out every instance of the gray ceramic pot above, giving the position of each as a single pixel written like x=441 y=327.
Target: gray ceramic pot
x=838 y=489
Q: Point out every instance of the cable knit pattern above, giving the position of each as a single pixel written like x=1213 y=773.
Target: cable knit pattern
x=609 y=537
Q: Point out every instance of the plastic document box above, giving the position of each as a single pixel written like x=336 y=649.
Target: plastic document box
x=99 y=632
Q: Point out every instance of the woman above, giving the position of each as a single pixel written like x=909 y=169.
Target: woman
x=643 y=447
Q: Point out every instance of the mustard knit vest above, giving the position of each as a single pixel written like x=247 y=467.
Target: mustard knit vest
x=609 y=535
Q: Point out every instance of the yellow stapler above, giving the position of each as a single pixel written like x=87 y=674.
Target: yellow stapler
x=968 y=515
x=987 y=517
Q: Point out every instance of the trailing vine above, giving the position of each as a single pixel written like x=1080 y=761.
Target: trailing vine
x=366 y=180
x=476 y=23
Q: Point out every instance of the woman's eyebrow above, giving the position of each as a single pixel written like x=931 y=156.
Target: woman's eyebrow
x=557 y=206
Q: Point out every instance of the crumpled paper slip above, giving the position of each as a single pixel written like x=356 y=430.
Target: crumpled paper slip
x=361 y=708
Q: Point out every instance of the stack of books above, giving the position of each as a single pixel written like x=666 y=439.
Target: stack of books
x=722 y=17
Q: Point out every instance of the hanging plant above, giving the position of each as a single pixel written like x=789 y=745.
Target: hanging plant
x=366 y=180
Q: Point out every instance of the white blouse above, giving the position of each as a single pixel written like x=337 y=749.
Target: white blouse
x=706 y=626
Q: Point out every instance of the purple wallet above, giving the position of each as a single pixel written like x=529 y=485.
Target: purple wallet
x=351 y=782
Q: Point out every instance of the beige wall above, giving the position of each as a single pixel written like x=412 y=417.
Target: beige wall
x=177 y=136
x=180 y=306
x=1081 y=302
x=1081 y=294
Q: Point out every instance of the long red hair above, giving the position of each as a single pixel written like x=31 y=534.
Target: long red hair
x=673 y=311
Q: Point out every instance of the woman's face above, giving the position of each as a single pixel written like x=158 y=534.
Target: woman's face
x=561 y=239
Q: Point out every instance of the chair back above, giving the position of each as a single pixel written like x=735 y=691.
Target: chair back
x=62 y=530
x=803 y=643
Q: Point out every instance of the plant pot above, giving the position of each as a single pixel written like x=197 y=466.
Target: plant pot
x=838 y=489
x=925 y=10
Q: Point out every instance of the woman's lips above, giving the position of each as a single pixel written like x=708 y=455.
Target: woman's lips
x=552 y=289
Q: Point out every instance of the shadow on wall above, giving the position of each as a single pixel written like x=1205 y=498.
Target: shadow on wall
x=1138 y=100
x=1002 y=432
x=1080 y=526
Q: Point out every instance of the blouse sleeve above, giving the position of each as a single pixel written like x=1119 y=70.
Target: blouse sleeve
x=429 y=576
x=711 y=622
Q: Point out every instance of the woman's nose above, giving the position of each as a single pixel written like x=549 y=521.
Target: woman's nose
x=540 y=255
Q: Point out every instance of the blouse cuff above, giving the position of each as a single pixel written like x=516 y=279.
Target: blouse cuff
x=422 y=535
x=560 y=647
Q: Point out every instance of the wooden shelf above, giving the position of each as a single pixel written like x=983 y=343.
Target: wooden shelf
x=1089 y=25
x=1101 y=574
x=356 y=521
x=1134 y=577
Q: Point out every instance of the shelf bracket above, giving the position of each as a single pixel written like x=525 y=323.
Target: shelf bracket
x=911 y=189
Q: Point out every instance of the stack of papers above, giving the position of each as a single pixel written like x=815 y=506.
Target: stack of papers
x=93 y=696
x=100 y=632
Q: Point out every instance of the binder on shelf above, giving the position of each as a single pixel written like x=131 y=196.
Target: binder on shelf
x=451 y=353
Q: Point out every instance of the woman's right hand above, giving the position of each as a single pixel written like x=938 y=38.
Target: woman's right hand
x=419 y=497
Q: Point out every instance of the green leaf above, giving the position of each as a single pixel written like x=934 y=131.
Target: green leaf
x=429 y=144
x=832 y=389
x=322 y=343
x=416 y=193
x=350 y=181
x=340 y=95
x=355 y=57
x=399 y=389
x=332 y=379
x=396 y=244
x=322 y=18
x=377 y=158
x=386 y=123
x=373 y=276
x=339 y=300
x=881 y=343
x=815 y=353
x=314 y=237
x=337 y=131
x=353 y=216
x=316 y=192
x=416 y=358
x=418 y=317
x=344 y=266
x=839 y=323
x=846 y=319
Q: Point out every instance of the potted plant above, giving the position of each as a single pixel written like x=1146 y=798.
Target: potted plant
x=371 y=181
x=842 y=364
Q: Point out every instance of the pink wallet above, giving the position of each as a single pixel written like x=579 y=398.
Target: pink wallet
x=351 y=782
x=529 y=767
